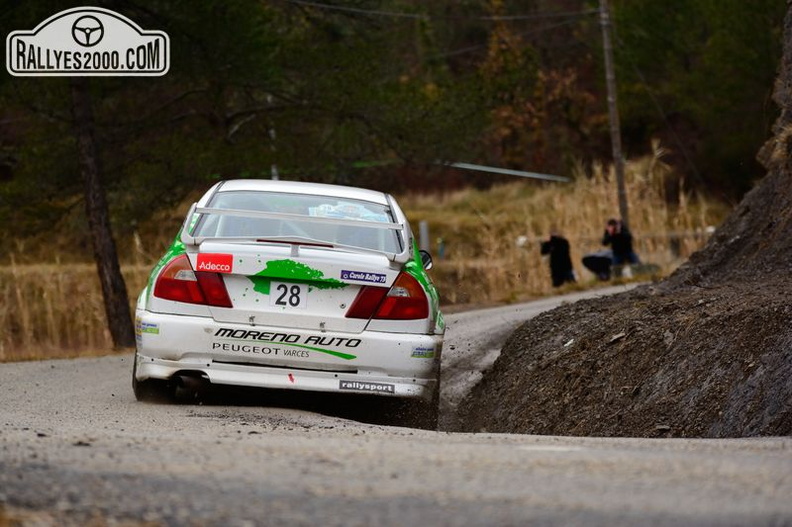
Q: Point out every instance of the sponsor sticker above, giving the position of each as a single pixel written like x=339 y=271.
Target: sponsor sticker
x=360 y=386
x=215 y=262
x=150 y=328
x=423 y=352
x=252 y=349
x=308 y=342
x=146 y=327
x=142 y=328
x=360 y=276
x=290 y=338
x=87 y=41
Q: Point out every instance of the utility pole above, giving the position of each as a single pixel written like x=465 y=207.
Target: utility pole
x=273 y=167
x=613 y=110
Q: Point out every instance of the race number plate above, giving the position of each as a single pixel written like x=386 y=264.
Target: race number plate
x=289 y=296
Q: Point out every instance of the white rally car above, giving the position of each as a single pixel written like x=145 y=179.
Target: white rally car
x=293 y=285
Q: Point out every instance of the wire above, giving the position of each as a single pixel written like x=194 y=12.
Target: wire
x=521 y=34
x=394 y=14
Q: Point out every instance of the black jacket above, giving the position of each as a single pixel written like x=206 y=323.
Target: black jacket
x=560 y=262
x=620 y=242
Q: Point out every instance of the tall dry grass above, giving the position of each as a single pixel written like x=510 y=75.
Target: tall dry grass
x=491 y=238
x=56 y=310
x=491 y=253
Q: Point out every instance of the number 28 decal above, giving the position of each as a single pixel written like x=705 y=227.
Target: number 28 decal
x=289 y=296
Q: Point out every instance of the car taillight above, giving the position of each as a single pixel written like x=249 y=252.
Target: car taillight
x=366 y=302
x=180 y=283
x=213 y=288
x=406 y=300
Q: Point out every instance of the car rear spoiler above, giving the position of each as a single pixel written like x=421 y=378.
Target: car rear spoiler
x=195 y=212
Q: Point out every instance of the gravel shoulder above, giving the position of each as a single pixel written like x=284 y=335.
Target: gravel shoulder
x=474 y=340
x=709 y=361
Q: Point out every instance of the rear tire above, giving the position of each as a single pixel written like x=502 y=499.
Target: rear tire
x=426 y=414
x=416 y=413
x=151 y=390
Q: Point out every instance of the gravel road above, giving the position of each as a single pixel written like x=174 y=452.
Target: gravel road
x=77 y=449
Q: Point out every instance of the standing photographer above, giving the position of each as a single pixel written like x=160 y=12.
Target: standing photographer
x=560 y=262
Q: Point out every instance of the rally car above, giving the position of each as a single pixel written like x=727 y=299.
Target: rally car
x=293 y=285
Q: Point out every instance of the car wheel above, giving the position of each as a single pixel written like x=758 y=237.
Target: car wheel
x=415 y=413
x=429 y=415
x=151 y=390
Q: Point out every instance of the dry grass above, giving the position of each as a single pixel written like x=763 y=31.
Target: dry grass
x=492 y=237
x=491 y=254
x=56 y=310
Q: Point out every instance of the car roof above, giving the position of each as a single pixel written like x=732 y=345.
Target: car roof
x=302 y=187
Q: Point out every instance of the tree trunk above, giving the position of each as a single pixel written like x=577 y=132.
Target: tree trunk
x=114 y=291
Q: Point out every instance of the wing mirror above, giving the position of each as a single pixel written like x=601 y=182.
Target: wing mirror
x=426 y=259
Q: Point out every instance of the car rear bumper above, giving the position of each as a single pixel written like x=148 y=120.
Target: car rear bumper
x=285 y=378
x=391 y=364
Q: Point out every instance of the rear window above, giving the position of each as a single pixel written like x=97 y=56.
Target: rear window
x=309 y=206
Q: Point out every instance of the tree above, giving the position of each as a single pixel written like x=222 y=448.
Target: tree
x=114 y=290
x=48 y=101
x=397 y=86
x=756 y=239
x=327 y=82
x=708 y=65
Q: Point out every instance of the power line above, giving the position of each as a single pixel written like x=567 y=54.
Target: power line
x=468 y=49
x=419 y=16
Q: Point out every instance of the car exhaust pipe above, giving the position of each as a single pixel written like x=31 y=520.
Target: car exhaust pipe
x=189 y=388
x=189 y=382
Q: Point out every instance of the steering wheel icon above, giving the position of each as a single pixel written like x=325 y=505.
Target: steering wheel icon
x=87 y=31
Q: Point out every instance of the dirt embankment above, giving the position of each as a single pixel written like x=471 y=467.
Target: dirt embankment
x=699 y=362
x=705 y=353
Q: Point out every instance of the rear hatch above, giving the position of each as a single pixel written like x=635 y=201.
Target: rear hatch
x=286 y=285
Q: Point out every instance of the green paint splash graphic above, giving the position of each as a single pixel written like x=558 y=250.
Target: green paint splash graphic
x=292 y=271
x=176 y=249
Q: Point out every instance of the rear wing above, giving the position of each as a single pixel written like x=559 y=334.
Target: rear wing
x=195 y=213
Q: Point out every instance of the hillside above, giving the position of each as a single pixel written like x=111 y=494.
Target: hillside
x=704 y=353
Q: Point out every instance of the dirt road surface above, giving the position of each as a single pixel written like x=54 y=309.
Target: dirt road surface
x=77 y=449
